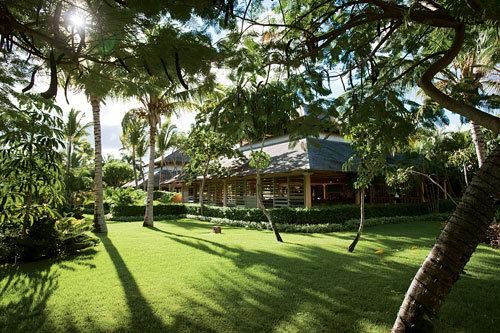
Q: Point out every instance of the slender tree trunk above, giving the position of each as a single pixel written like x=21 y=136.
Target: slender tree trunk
x=453 y=249
x=99 y=222
x=361 y=221
x=134 y=166
x=478 y=139
x=161 y=171
x=202 y=211
x=148 y=217
x=264 y=210
x=141 y=170
x=68 y=162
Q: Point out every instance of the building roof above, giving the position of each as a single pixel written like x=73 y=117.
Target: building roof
x=175 y=157
x=288 y=156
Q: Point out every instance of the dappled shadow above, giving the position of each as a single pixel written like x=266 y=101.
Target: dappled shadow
x=309 y=288
x=141 y=312
x=37 y=283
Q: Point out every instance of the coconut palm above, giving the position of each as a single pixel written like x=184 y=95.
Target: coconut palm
x=168 y=103
x=140 y=151
x=164 y=141
x=74 y=129
x=133 y=129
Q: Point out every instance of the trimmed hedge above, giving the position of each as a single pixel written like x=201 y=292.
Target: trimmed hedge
x=331 y=215
x=352 y=224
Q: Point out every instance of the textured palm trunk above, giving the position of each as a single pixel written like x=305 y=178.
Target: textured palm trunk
x=68 y=161
x=361 y=221
x=134 y=166
x=148 y=217
x=453 y=249
x=161 y=171
x=264 y=210
x=478 y=139
x=99 y=222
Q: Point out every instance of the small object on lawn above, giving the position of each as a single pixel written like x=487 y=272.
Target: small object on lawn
x=217 y=229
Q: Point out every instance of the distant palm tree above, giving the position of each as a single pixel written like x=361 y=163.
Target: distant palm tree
x=153 y=107
x=134 y=132
x=74 y=129
x=140 y=151
x=164 y=141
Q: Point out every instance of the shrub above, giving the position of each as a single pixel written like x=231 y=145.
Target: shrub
x=47 y=238
x=165 y=196
x=123 y=196
x=160 y=209
x=116 y=173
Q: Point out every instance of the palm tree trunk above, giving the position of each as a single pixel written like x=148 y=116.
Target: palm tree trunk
x=264 y=210
x=148 y=217
x=453 y=249
x=99 y=222
x=68 y=162
x=478 y=139
x=361 y=221
x=134 y=166
x=161 y=171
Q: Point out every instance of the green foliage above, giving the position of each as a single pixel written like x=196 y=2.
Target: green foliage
x=139 y=210
x=47 y=238
x=115 y=173
x=351 y=224
x=164 y=196
x=206 y=149
x=123 y=196
x=30 y=165
x=297 y=216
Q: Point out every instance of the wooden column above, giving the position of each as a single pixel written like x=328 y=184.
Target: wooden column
x=324 y=191
x=358 y=197
x=224 y=193
x=445 y=194
x=307 y=190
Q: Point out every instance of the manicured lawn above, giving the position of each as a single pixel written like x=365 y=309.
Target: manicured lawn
x=176 y=278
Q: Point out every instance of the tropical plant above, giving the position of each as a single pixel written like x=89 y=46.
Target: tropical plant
x=164 y=142
x=74 y=129
x=32 y=180
x=133 y=133
x=115 y=173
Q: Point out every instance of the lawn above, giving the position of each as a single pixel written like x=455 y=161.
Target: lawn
x=176 y=277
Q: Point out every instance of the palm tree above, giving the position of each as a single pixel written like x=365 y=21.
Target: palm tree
x=474 y=73
x=164 y=142
x=133 y=129
x=99 y=222
x=153 y=107
x=73 y=131
x=140 y=151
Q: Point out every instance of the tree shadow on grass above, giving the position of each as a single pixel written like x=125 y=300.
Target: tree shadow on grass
x=143 y=317
x=310 y=288
x=38 y=283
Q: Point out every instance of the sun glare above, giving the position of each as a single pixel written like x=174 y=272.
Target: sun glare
x=77 y=20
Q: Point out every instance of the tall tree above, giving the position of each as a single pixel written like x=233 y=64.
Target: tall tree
x=378 y=49
x=74 y=129
x=164 y=142
x=133 y=132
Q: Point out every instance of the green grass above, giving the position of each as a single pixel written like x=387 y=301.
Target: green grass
x=176 y=278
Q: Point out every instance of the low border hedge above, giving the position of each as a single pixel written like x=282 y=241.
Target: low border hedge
x=332 y=215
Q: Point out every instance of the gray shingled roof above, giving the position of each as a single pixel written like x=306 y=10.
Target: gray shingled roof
x=302 y=155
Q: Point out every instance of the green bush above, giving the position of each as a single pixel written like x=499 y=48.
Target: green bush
x=164 y=196
x=47 y=238
x=298 y=216
x=124 y=196
x=160 y=209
